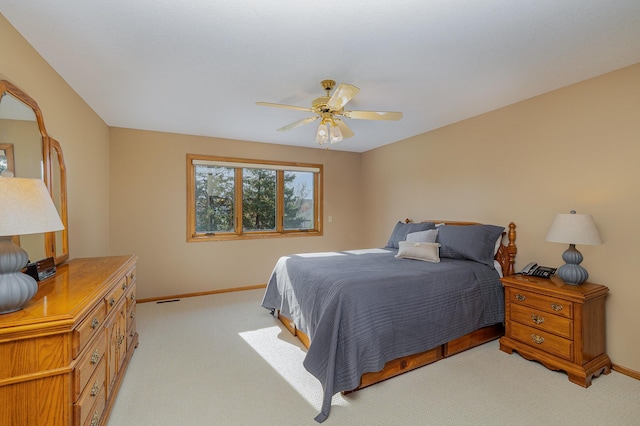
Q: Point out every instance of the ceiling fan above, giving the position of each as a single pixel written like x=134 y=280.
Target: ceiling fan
x=329 y=108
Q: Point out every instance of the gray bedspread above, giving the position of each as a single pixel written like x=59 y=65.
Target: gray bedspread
x=363 y=308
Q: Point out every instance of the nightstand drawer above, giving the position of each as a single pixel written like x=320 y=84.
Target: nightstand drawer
x=544 y=303
x=543 y=341
x=542 y=320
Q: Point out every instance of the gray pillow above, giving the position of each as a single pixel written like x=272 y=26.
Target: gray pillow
x=473 y=242
x=428 y=236
x=401 y=230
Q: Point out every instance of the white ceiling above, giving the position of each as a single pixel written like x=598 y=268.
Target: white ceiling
x=198 y=66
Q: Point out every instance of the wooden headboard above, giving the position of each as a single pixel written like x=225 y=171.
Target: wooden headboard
x=506 y=255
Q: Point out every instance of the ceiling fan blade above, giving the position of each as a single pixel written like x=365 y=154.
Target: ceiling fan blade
x=344 y=129
x=298 y=108
x=343 y=94
x=299 y=123
x=373 y=115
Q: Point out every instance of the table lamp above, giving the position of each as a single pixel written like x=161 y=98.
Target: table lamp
x=25 y=208
x=573 y=228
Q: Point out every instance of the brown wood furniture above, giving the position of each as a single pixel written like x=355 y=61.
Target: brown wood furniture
x=506 y=256
x=63 y=357
x=561 y=326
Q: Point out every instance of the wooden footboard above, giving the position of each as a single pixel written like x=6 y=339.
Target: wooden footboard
x=401 y=365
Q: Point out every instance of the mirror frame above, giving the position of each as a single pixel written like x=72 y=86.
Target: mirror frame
x=49 y=145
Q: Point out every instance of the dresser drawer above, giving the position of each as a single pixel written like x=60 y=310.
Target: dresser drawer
x=543 y=341
x=118 y=291
x=544 y=303
x=131 y=276
x=542 y=320
x=88 y=364
x=95 y=413
x=131 y=297
x=131 y=328
x=89 y=327
x=93 y=396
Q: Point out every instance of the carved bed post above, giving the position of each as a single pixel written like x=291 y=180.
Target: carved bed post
x=511 y=248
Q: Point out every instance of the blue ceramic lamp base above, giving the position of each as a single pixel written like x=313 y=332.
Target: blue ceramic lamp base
x=571 y=272
x=16 y=288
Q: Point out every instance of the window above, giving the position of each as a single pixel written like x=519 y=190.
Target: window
x=230 y=199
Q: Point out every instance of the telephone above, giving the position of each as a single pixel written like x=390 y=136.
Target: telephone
x=537 y=271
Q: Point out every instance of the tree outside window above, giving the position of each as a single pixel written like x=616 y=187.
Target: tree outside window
x=236 y=199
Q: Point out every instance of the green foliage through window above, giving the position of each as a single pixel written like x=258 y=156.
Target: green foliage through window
x=233 y=198
x=215 y=189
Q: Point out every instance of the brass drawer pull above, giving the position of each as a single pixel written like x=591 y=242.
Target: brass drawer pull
x=112 y=302
x=95 y=357
x=537 y=339
x=95 y=389
x=95 y=323
x=124 y=286
x=133 y=297
x=520 y=298
x=556 y=307
x=536 y=319
x=133 y=315
x=96 y=419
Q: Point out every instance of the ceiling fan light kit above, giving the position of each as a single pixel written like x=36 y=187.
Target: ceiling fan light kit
x=329 y=108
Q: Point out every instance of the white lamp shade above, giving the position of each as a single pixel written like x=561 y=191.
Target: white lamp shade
x=26 y=207
x=574 y=228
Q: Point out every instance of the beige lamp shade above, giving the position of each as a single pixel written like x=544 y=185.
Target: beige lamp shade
x=574 y=228
x=26 y=207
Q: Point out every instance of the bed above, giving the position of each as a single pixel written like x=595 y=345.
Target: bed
x=368 y=315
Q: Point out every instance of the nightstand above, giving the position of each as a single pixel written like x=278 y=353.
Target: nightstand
x=559 y=325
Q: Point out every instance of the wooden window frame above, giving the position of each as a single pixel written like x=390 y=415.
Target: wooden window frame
x=238 y=233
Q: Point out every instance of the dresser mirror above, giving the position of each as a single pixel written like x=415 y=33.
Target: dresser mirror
x=29 y=152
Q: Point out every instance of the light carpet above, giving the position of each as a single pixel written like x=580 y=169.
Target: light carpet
x=223 y=360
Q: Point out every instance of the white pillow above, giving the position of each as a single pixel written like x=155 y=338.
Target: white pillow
x=429 y=252
x=428 y=236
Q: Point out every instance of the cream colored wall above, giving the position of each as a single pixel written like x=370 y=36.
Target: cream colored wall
x=574 y=148
x=148 y=212
x=83 y=135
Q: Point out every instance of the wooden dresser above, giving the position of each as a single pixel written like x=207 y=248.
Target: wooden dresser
x=63 y=357
x=561 y=326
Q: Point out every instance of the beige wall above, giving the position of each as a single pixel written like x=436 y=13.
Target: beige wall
x=84 y=138
x=574 y=148
x=148 y=212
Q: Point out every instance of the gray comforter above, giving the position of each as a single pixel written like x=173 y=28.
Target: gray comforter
x=366 y=307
